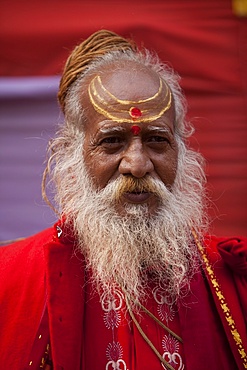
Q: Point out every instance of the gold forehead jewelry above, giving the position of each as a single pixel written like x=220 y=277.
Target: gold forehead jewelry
x=119 y=110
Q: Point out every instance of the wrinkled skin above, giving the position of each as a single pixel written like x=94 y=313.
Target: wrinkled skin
x=112 y=149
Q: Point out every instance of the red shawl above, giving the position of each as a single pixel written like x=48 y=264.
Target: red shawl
x=46 y=265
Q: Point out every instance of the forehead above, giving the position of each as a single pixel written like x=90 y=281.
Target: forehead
x=127 y=93
x=131 y=79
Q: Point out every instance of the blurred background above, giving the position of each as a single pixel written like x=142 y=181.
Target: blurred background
x=205 y=41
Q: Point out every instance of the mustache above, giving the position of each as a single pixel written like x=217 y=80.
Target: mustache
x=130 y=184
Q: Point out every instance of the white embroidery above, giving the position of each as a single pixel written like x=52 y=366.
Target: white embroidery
x=114 y=353
x=170 y=344
x=112 y=301
x=118 y=365
x=159 y=295
x=165 y=310
x=111 y=305
x=112 y=319
x=171 y=354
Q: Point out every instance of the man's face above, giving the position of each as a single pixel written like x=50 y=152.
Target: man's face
x=138 y=150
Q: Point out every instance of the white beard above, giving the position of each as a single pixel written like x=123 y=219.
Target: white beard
x=127 y=250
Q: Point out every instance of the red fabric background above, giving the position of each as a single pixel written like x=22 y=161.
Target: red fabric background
x=203 y=40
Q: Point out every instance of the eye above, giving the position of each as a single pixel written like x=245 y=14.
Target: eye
x=111 y=140
x=111 y=144
x=158 y=143
x=157 y=139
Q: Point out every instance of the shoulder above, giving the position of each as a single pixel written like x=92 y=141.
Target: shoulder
x=22 y=295
x=23 y=262
x=23 y=267
x=30 y=240
x=226 y=268
x=24 y=252
x=231 y=250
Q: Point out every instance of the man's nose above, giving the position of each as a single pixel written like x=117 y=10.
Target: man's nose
x=136 y=161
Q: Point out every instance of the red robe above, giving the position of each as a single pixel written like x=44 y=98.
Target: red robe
x=44 y=300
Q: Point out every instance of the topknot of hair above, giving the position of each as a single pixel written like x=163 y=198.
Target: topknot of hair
x=95 y=46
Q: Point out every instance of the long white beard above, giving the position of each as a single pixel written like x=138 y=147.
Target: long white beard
x=127 y=250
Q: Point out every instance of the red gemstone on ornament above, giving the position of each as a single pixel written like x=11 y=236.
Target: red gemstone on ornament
x=135 y=130
x=135 y=112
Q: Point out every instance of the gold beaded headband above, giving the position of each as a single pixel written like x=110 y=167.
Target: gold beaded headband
x=144 y=110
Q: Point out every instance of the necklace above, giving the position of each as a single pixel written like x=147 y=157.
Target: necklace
x=145 y=337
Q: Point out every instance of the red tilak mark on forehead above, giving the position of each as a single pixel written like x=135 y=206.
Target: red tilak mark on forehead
x=135 y=130
x=135 y=113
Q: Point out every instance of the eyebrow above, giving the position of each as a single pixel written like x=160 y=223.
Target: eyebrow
x=112 y=129
x=106 y=130
x=158 y=128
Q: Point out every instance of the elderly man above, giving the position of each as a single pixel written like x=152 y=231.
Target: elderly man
x=128 y=278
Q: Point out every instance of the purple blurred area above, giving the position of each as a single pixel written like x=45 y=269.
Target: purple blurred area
x=29 y=114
